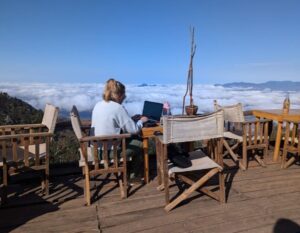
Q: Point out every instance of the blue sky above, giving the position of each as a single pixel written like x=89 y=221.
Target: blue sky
x=148 y=41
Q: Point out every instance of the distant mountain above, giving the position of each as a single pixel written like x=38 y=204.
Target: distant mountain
x=16 y=111
x=272 y=85
x=84 y=115
x=146 y=85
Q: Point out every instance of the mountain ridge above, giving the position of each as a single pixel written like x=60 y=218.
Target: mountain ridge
x=17 y=111
x=273 y=85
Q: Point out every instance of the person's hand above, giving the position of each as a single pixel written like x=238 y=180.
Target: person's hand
x=144 y=119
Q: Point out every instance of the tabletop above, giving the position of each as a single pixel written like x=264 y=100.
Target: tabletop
x=276 y=114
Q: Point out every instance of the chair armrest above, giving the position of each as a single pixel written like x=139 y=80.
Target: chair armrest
x=107 y=137
x=255 y=121
x=18 y=136
x=27 y=126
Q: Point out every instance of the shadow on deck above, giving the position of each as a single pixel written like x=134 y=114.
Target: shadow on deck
x=258 y=200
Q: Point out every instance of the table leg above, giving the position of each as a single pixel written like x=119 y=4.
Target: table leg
x=277 y=143
x=165 y=173
x=146 y=160
x=158 y=161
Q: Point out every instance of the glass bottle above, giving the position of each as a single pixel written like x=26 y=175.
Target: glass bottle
x=166 y=109
x=286 y=104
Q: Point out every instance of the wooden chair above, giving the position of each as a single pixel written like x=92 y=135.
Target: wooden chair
x=178 y=129
x=95 y=153
x=291 y=141
x=252 y=135
x=26 y=148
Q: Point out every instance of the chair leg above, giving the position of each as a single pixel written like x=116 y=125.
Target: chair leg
x=87 y=185
x=266 y=151
x=125 y=185
x=47 y=182
x=222 y=187
x=164 y=164
x=233 y=155
x=119 y=178
x=283 y=159
x=260 y=161
x=191 y=189
x=289 y=162
x=122 y=184
x=5 y=183
x=245 y=159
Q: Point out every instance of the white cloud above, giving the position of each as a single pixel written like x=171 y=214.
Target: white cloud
x=85 y=96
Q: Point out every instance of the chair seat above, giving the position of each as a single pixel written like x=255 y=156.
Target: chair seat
x=31 y=149
x=200 y=161
x=236 y=135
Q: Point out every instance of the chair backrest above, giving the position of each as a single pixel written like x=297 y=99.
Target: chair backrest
x=292 y=131
x=187 y=129
x=50 y=117
x=76 y=123
x=232 y=113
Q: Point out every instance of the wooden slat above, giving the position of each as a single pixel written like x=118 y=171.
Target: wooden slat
x=108 y=137
x=293 y=136
x=28 y=126
x=256 y=129
x=95 y=154
x=262 y=137
x=37 y=152
x=249 y=134
x=105 y=154
x=115 y=153
x=106 y=171
x=26 y=152
x=124 y=166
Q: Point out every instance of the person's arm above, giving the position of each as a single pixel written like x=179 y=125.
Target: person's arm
x=128 y=125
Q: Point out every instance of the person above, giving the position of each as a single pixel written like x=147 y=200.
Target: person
x=110 y=117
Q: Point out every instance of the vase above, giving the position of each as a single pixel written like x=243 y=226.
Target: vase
x=191 y=110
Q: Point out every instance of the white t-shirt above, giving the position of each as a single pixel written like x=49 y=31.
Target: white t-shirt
x=110 y=118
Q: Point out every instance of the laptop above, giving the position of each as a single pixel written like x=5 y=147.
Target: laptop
x=153 y=111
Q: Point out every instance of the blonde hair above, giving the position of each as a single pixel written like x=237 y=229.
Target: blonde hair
x=113 y=90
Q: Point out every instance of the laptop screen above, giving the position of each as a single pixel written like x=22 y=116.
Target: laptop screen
x=152 y=110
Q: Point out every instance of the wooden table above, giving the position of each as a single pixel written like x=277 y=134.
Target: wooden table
x=277 y=115
x=147 y=133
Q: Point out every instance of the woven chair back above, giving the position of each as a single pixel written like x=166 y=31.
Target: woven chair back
x=50 y=117
x=76 y=123
x=186 y=129
x=232 y=113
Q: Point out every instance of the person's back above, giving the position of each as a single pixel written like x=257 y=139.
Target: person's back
x=109 y=118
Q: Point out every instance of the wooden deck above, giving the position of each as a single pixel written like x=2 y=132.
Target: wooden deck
x=259 y=200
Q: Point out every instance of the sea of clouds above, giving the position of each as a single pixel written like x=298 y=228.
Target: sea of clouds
x=85 y=96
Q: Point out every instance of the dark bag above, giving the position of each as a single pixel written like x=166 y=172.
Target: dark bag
x=179 y=158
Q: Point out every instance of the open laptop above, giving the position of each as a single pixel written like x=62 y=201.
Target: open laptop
x=153 y=111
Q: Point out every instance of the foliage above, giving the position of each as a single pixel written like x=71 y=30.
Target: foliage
x=64 y=146
x=16 y=111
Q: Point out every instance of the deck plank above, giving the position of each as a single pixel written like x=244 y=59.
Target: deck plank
x=259 y=200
